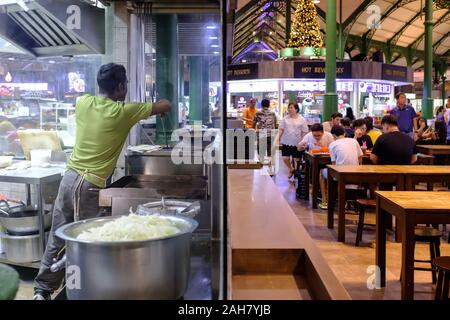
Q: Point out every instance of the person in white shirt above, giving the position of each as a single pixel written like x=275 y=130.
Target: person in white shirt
x=316 y=138
x=343 y=151
x=291 y=131
x=335 y=121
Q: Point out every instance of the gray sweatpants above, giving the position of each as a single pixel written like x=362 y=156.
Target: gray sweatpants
x=63 y=213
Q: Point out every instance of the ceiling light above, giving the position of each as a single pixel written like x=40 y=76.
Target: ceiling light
x=216 y=52
x=210 y=27
x=214 y=46
x=11 y=58
x=213 y=38
x=316 y=1
x=51 y=61
x=244 y=61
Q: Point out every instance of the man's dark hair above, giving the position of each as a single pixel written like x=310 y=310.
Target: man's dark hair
x=336 y=115
x=265 y=103
x=316 y=127
x=346 y=122
x=398 y=95
x=338 y=130
x=110 y=76
x=369 y=123
x=358 y=123
x=389 y=120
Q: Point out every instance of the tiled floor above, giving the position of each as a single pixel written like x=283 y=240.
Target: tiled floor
x=352 y=264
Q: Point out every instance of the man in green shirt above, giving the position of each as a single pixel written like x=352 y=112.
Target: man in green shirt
x=103 y=123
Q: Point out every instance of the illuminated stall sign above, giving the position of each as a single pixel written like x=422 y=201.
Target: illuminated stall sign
x=247 y=71
x=319 y=86
x=394 y=73
x=379 y=88
x=316 y=70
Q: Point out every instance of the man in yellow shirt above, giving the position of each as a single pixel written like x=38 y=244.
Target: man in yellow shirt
x=372 y=132
x=103 y=123
x=248 y=114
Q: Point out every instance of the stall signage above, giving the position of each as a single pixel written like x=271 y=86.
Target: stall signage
x=247 y=71
x=395 y=73
x=26 y=86
x=380 y=88
x=316 y=70
x=319 y=86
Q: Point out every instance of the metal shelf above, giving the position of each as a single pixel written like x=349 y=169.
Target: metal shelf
x=34 y=265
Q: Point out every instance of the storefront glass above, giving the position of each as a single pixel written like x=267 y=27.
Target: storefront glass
x=41 y=94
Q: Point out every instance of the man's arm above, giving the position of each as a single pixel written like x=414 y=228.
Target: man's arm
x=413 y=158
x=161 y=107
x=446 y=117
x=374 y=158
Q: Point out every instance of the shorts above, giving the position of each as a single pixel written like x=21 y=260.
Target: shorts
x=290 y=151
x=325 y=173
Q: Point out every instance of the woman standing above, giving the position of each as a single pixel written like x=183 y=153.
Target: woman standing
x=292 y=130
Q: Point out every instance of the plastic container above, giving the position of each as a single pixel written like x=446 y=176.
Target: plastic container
x=40 y=157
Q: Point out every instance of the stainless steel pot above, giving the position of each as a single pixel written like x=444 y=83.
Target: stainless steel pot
x=22 y=249
x=23 y=220
x=137 y=270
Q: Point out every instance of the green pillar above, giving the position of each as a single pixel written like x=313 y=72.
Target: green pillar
x=444 y=98
x=199 y=89
x=206 y=111
x=341 y=48
x=166 y=73
x=427 y=101
x=331 y=104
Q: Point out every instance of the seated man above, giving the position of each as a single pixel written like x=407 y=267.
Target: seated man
x=343 y=151
x=372 y=132
x=360 y=134
x=335 y=121
x=316 y=138
x=393 y=147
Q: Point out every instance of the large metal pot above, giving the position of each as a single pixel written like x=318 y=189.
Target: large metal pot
x=23 y=220
x=22 y=249
x=151 y=269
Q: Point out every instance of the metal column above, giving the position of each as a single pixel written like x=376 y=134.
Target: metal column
x=167 y=73
x=330 y=105
x=427 y=100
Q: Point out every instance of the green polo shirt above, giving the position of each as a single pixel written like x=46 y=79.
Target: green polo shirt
x=102 y=127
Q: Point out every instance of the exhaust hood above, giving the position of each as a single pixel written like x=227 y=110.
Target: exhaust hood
x=46 y=28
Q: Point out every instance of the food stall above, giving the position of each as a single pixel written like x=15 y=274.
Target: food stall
x=367 y=87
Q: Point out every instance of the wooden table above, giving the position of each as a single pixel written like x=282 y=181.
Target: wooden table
x=315 y=162
x=404 y=177
x=411 y=208
x=434 y=149
x=339 y=176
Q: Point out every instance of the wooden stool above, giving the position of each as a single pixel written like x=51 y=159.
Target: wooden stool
x=361 y=206
x=352 y=193
x=442 y=264
x=433 y=237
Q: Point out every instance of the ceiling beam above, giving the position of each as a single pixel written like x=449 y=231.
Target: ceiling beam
x=393 y=41
x=440 y=41
x=355 y=14
x=441 y=20
x=369 y=34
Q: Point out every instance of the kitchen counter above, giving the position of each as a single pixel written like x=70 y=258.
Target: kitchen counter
x=270 y=253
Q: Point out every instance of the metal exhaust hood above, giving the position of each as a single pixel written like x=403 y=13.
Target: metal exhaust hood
x=46 y=28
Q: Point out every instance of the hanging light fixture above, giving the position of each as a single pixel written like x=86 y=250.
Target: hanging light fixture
x=8 y=77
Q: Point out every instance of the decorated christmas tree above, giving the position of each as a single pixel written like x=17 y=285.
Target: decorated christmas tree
x=305 y=29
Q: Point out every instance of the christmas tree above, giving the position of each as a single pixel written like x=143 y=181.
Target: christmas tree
x=305 y=29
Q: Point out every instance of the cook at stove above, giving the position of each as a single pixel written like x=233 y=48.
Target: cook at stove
x=102 y=125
